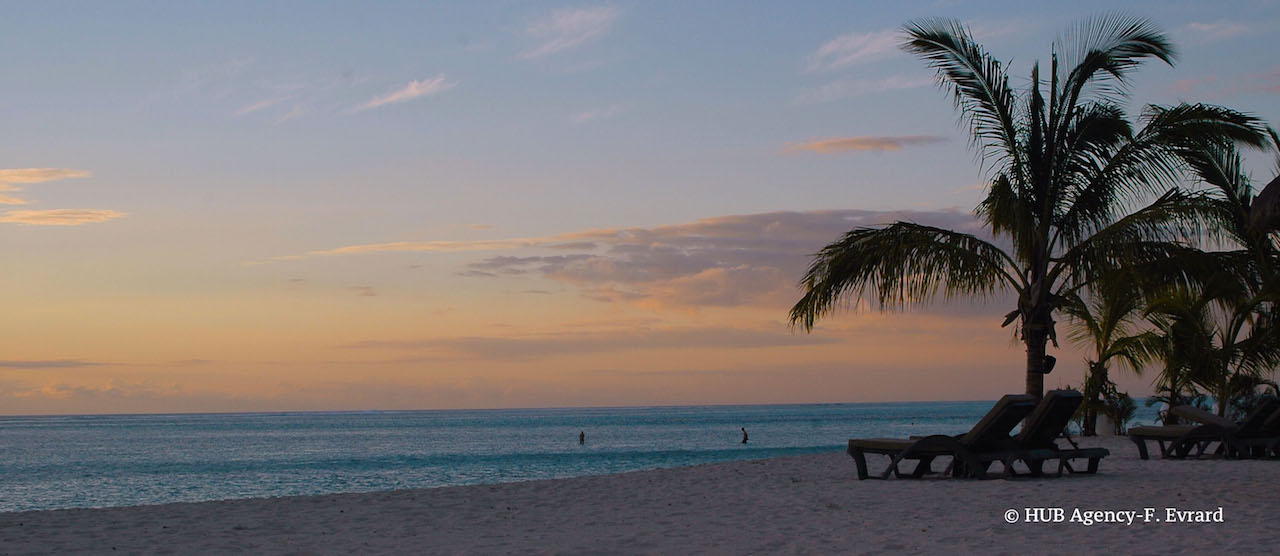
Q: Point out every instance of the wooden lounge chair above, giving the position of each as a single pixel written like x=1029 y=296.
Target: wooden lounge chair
x=1250 y=438
x=1255 y=436
x=1047 y=422
x=972 y=453
x=1174 y=441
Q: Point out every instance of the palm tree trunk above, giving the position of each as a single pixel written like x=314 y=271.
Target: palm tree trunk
x=1175 y=398
x=1093 y=386
x=1223 y=394
x=1036 y=326
x=1035 y=336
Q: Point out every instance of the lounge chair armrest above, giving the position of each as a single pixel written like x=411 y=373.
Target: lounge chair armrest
x=1201 y=416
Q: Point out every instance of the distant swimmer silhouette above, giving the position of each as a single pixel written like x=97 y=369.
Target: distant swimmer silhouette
x=744 y=435
x=582 y=437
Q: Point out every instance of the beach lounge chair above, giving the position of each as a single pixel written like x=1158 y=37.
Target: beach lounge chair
x=1256 y=435
x=972 y=453
x=1039 y=434
x=1250 y=438
x=1174 y=441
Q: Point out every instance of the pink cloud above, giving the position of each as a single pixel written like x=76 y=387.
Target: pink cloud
x=863 y=143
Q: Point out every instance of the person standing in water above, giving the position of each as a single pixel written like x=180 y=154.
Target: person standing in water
x=582 y=437
x=744 y=435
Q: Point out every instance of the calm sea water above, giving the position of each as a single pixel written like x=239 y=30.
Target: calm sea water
x=126 y=460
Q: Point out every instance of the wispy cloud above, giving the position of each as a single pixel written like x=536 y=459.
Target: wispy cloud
x=862 y=47
x=569 y=28
x=38 y=175
x=817 y=226
x=571 y=343
x=261 y=105
x=713 y=262
x=597 y=114
x=863 y=143
x=1215 y=31
x=47 y=364
x=979 y=186
x=297 y=111
x=847 y=88
x=854 y=48
x=439 y=246
x=12 y=180
x=415 y=89
x=60 y=217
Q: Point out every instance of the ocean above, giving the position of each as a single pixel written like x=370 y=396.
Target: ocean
x=51 y=462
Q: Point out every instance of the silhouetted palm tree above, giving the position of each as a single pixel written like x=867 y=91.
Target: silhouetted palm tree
x=1069 y=176
x=1214 y=337
x=1234 y=297
x=1250 y=248
x=1105 y=322
x=1175 y=343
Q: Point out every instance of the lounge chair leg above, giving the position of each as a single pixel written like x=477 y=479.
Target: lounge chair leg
x=978 y=469
x=860 y=459
x=1036 y=467
x=1008 y=468
x=1181 y=449
x=893 y=467
x=1142 y=447
x=924 y=466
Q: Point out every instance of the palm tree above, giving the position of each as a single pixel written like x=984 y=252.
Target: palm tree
x=1176 y=342
x=1105 y=322
x=1069 y=173
x=1237 y=216
x=1214 y=339
x=1235 y=301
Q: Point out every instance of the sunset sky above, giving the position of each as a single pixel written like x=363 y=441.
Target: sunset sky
x=327 y=206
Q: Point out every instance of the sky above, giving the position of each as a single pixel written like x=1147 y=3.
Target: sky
x=248 y=206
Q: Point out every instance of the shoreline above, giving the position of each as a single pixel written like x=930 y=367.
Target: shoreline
x=806 y=503
x=811 y=452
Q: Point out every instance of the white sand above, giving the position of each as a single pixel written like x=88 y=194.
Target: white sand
x=807 y=504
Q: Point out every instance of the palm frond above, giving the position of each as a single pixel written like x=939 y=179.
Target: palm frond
x=1148 y=234
x=1193 y=125
x=1222 y=167
x=979 y=85
x=897 y=266
x=1101 y=51
x=1148 y=162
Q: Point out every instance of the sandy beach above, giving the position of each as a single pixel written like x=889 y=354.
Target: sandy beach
x=806 y=504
